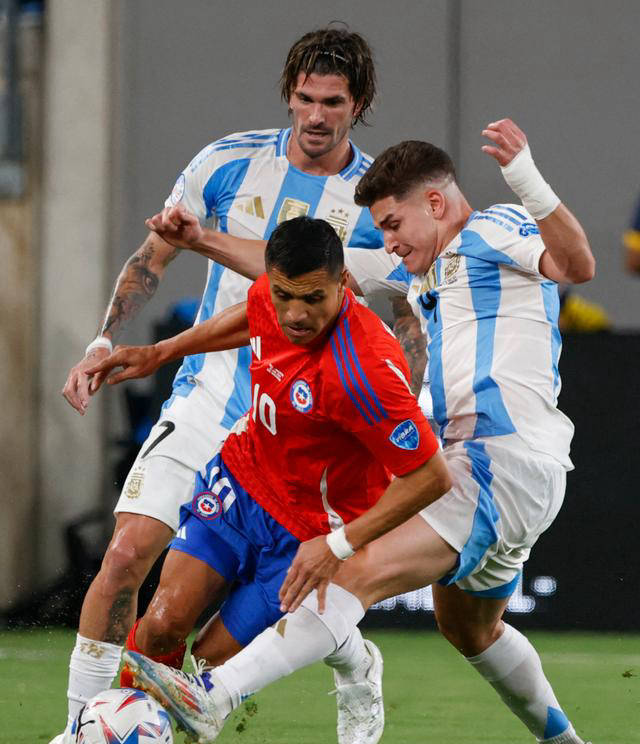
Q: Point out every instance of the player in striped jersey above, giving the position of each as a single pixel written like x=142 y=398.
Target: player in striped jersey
x=484 y=286
x=246 y=183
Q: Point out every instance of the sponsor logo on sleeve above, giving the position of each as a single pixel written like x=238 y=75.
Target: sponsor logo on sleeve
x=528 y=228
x=406 y=435
x=207 y=505
x=178 y=190
x=301 y=397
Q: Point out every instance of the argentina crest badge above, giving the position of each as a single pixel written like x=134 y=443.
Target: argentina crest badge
x=301 y=397
x=406 y=435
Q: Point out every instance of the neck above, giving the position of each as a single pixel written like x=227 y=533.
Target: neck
x=327 y=164
x=460 y=211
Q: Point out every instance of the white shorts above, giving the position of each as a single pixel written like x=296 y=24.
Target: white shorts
x=504 y=496
x=162 y=477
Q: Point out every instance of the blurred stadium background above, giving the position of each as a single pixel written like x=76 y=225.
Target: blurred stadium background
x=102 y=103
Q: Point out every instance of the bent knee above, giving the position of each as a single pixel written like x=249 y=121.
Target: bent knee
x=469 y=638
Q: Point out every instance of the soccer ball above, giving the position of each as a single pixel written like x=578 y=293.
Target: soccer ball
x=122 y=716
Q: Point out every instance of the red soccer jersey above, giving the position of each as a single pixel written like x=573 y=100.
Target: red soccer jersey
x=329 y=423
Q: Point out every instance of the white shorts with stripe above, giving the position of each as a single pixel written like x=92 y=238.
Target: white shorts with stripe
x=162 y=478
x=504 y=496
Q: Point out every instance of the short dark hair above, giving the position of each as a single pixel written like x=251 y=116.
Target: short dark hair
x=399 y=169
x=333 y=51
x=304 y=244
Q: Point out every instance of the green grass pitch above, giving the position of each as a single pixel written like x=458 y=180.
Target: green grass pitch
x=431 y=696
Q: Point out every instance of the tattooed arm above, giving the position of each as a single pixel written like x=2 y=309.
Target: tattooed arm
x=407 y=329
x=134 y=287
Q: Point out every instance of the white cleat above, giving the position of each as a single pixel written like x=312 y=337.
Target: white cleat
x=185 y=696
x=64 y=738
x=360 y=706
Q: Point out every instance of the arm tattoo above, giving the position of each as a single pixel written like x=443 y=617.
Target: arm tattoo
x=407 y=330
x=135 y=286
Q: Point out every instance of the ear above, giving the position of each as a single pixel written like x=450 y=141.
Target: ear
x=356 y=111
x=437 y=201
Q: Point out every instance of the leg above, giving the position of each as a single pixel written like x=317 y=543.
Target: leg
x=187 y=585
x=505 y=658
x=109 y=607
x=214 y=643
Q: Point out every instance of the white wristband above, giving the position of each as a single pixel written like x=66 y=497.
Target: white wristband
x=525 y=180
x=102 y=342
x=339 y=544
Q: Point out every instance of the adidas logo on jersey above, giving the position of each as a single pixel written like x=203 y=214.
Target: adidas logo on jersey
x=253 y=206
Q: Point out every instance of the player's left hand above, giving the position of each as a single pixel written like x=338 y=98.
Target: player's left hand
x=508 y=140
x=313 y=568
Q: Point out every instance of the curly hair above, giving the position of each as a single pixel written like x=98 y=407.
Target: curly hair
x=333 y=51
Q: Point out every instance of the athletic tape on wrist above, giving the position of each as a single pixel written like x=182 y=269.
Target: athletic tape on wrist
x=523 y=177
x=102 y=342
x=340 y=546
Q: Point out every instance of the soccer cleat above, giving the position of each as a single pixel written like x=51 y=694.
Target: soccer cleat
x=61 y=739
x=185 y=696
x=66 y=737
x=360 y=706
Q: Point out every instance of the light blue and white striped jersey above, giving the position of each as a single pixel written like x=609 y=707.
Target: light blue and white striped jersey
x=493 y=343
x=245 y=184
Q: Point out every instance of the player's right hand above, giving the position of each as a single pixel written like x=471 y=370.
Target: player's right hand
x=136 y=361
x=177 y=226
x=80 y=384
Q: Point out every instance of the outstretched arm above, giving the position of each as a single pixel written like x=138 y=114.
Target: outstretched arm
x=228 y=329
x=315 y=563
x=134 y=287
x=181 y=228
x=567 y=257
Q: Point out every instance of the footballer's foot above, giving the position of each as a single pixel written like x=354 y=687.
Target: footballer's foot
x=185 y=696
x=360 y=707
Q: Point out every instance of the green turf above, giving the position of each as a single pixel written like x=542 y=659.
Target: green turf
x=431 y=696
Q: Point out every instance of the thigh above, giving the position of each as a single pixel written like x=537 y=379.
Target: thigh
x=409 y=557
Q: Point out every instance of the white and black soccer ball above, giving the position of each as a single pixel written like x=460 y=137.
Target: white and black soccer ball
x=122 y=716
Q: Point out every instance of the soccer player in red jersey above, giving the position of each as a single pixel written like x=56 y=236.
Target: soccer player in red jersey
x=332 y=420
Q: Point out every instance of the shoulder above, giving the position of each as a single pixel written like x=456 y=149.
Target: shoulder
x=501 y=234
x=501 y=222
x=236 y=146
x=364 y=363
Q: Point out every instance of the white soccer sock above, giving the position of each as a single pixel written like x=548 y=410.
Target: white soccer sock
x=512 y=666
x=351 y=660
x=92 y=668
x=295 y=641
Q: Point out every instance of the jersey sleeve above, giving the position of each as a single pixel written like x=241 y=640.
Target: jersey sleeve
x=188 y=189
x=508 y=235
x=376 y=271
x=210 y=181
x=373 y=400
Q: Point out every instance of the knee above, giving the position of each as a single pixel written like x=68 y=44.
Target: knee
x=162 y=628
x=468 y=637
x=123 y=566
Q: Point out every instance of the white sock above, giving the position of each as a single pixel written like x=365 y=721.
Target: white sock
x=351 y=660
x=512 y=666
x=295 y=641
x=92 y=669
